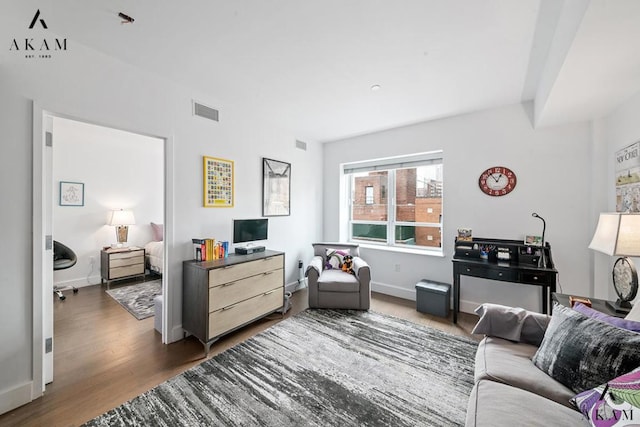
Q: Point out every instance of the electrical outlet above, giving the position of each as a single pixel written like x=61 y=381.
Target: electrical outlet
x=397 y=267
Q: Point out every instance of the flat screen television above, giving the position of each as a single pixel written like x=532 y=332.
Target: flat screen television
x=250 y=230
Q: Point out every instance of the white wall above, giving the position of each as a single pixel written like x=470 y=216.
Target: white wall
x=120 y=170
x=620 y=128
x=90 y=86
x=553 y=170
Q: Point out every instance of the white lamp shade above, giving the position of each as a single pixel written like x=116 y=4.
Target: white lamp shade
x=121 y=217
x=617 y=234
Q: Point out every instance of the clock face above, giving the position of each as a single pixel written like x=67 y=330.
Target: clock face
x=625 y=279
x=497 y=181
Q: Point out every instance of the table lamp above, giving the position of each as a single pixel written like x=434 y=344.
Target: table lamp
x=121 y=219
x=618 y=234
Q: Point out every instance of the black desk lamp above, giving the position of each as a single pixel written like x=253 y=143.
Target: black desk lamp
x=542 y=261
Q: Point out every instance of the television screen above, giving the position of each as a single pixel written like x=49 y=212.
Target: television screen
x=249 y=230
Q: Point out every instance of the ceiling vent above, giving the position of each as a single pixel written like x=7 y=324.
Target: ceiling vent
x=204 y=111
x=301 y=145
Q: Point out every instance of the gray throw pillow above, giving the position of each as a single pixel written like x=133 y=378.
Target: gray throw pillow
x=581 y=352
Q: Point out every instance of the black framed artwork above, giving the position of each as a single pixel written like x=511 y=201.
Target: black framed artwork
x=276 y=188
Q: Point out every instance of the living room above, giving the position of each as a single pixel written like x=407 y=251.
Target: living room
x=560 y=143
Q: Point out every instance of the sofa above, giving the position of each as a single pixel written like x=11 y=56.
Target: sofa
x=511 y=389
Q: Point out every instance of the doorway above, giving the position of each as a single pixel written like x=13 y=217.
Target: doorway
x=112 y=176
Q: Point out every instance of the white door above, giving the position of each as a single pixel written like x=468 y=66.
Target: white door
x=47 y=265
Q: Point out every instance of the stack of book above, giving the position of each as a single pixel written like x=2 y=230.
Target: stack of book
x=209 y=249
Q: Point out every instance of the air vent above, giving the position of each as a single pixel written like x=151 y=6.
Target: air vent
x=204 y=111
x=301 y=145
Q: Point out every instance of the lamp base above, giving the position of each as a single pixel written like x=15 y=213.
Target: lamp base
x=620 y=306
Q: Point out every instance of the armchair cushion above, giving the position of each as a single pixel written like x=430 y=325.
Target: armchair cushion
x=338 y=281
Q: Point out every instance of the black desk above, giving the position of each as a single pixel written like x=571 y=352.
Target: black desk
x=518 y=269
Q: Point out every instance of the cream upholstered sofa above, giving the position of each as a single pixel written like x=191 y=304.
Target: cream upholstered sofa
x=330 y=287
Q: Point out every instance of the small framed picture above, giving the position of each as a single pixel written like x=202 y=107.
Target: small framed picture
x=533 y=240
x=71 y=193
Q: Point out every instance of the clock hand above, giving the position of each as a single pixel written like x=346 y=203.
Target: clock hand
x=496 y=179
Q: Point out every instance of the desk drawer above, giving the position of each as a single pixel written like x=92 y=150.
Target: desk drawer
x=489 y=273
x=535 y=278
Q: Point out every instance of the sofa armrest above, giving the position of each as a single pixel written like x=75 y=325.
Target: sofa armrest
x=511 y=323
x=314 y=267
x=361 y=269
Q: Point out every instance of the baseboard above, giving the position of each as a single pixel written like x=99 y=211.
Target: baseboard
x=176 y=334
x=295 y=286
x=394 y=291
x=410 y=294
x=80 y=283
x=15 y=397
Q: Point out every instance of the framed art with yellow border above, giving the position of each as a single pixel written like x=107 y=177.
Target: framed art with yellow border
x=218 y=182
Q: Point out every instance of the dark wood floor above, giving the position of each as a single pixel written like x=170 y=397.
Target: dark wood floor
x=103 y=356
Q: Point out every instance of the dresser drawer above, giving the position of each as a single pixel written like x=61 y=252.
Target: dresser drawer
x=125 y=255
x=233 y=292
x=123 y=262
x=131 y=270
x=235 y=272
x=232 y=316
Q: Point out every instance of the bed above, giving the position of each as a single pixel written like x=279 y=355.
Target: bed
x=154 y=250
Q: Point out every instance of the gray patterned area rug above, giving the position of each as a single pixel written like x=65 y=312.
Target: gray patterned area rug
x=138 y=299
x=318 y=368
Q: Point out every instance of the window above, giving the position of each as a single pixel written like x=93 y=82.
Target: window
x=396 y=201
x=368 y=195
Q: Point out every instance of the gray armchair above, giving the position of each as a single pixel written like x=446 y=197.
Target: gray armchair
x=334 y=288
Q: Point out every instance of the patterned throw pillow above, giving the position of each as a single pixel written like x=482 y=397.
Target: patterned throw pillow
x=334 y=258
x=581 y=352
x=620 y=405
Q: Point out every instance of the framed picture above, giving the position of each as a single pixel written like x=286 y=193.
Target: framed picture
x=71 y=193
x=628 y=178
x=218 y=182
x=276 y=188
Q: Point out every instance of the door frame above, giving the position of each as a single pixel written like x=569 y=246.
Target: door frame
x=42 y=265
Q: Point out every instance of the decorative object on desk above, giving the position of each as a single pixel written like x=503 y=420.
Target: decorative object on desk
x=121 y=219
x=618 y=234
x=324 y=377
x=218 y=183
x=533 y=240
x=71 y=193
x=137 y=299
x=276 y=188
x=574 y=300
x=542 y=261
x=497 y=181
x=465 y=234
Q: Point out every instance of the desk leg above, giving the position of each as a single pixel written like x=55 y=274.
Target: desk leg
x=456 y=295
x=545 y=299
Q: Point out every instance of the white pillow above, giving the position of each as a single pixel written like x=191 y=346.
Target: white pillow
x=335 y=258
x=634 y=314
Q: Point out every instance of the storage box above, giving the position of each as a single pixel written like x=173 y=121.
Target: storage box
x=433 y=297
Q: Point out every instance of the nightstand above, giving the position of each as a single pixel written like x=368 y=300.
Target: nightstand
x=597 y=304
x=121 y=263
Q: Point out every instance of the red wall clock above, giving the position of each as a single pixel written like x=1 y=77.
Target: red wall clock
x=497 y=181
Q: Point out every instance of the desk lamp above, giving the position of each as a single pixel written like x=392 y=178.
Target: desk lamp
x=121 y=219
x=618 y=234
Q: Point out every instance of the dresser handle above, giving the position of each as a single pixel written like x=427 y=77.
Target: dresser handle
x=535 y=277
x=500 y=274
x=229 y=307
x=270 y=292
x=227 y=266
x=267 y=272
x=228 y=284
x=468 y=270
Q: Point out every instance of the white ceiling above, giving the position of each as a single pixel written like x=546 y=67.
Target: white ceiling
x=309 y=64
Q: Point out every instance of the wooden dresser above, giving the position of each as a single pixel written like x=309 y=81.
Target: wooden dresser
x=222 y=295
x=121 y=263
